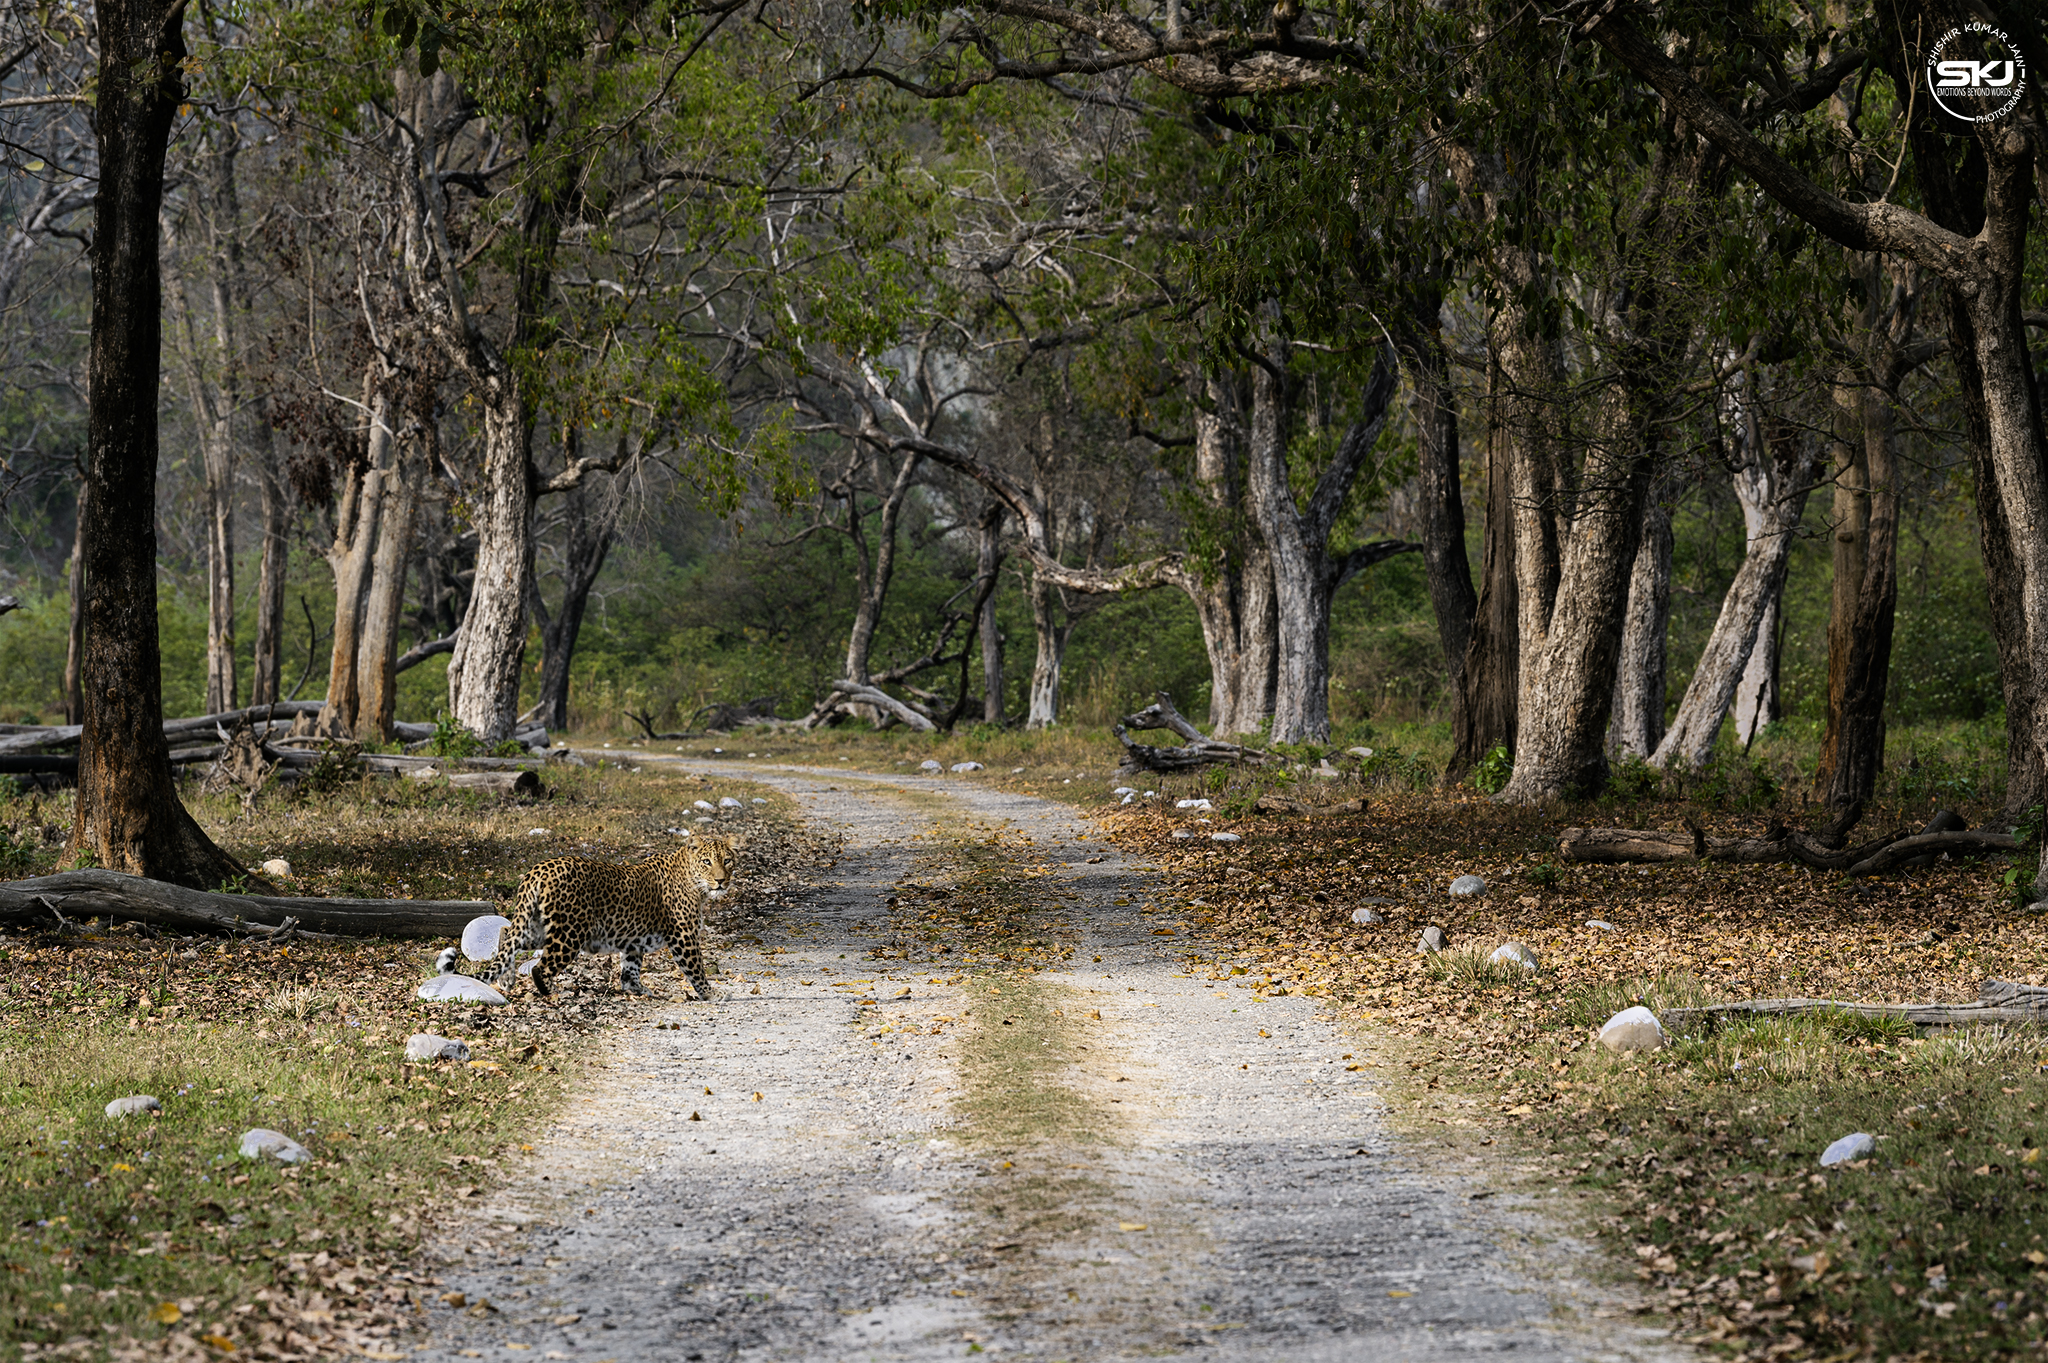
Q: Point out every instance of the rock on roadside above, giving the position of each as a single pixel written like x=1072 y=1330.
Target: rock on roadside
x=260 y=1141
x=1432 y=941
x=427 y=1046
x=1515 y=954
x=1464 y=887
x=1633 y=1029
x=1855 y=1145
x=133 y=1106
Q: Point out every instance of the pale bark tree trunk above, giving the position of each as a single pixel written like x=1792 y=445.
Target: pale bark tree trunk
x=351 y=557
x=267 y=668
x=1043 y=709
x=1772 y=473
x=490 y=650
x=1233 y=596
x=1757 y=704
x=1297 y=538
x=1637 y=726
x=384 y=595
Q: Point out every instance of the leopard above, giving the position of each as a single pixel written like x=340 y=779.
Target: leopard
x=571 y=905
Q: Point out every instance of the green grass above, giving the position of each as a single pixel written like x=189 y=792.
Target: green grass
x=109 y=1220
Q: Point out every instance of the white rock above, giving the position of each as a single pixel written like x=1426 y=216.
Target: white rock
x=967 y=766
x=759 y=801
x=1366 y=917
x=1183 y=833
x=1633 y=1029
x=1128 y=798
x=1431 y=941
x=277 y=868
x=424 y=774
x=1359 y=752
x=1192 y=804
x=1016 y=771
x=133 y=1106
x=1120 y=790
x=537 y=832
x=427 y=1046
x=1224 y=837
x=929 y=765
x=1601 y=924
x=727 y=802
x=1151 y=794
x=1464 y=887
x=703 y=804
x=261 y=1141
x=480 y=936
x=1855 y=1145
x=1515 y=953
x=466 y=988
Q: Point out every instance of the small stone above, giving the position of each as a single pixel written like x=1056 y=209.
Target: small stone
x=727 y=802
x=480 y=936
x=537 y=832
x=1365 y=917
x=1855 y=1145
x=277 y=868
x=1516 y=954
x=1192 y=804
x=966 y=766
x=1633 y=1029
x=1432 y=941
x=1359 y=752
x=424 y=1046
x=466 y=988
x=1464 y=887
x=133 y=1106
x=424 y=774
x=703 y=804
x=1224 y=837
x=759 y=801
x=1183 y=833
x=1601 y=924
x=261 y=1141
x=1016 y=771
x=929 y=765
x=1122 y=790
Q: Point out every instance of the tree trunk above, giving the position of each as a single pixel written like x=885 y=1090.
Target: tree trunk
x=589 y=542
x=128 y=814
x=384 y=598
x=1448 y=569
x=74 y=637
x=1044 y=702
x=988 y=564
x=1771 y=480
x=1638 y=724
x=352 y=556
x=490 y=652
x=1297 y=538
x=1866 y=589
x=1756 y=703
x=265 y=682
x=872 y=578
x=1484 y=713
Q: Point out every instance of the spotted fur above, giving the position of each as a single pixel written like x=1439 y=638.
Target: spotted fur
x=570 y=905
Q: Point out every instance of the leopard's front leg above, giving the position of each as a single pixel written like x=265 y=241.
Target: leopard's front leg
x=690 y=956
x=630 y=957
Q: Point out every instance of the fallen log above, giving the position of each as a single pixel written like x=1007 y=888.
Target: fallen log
x=503 y=782
x=1270 y=803
x=1777 y=845
x=26 y=739
x=29 y=764
x=854 y=693
x=1199 y=750
x=76 y=895
x=1997 y=1001
x=1958 y=843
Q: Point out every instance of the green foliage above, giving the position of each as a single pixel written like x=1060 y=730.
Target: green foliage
x=1490 y=777
x=450 y=739
x=336 y=770
x=18 y=849
x=1392 y=767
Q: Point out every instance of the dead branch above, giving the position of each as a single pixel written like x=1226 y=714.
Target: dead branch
x=1997 y=1001
x=1778 y=844
x=92 y=894
x=1198 y=751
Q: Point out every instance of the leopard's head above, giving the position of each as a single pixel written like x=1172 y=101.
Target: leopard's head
x=711 y=861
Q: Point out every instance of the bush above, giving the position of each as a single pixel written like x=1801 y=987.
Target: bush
x=1490 y=777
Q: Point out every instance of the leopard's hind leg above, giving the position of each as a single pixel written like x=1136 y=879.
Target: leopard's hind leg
x=631 y=954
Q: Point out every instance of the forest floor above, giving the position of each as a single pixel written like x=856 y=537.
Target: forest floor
x=971 y=1155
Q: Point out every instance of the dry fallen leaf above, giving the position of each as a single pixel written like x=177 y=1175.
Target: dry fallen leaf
x=1130 y=1225
x=167 y=1313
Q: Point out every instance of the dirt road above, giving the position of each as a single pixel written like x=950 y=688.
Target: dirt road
x=1070 y=1146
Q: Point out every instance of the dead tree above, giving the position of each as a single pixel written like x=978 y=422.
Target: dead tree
x=1199 y=750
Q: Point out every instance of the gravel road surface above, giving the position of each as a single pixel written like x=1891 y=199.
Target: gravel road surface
x=849 y=1158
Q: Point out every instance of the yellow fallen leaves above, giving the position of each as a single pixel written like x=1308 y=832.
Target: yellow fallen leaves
x=1131 y=1225
x=167 y=1313
x=902 y=993
x=221 y=1342
x=1400 y=1294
